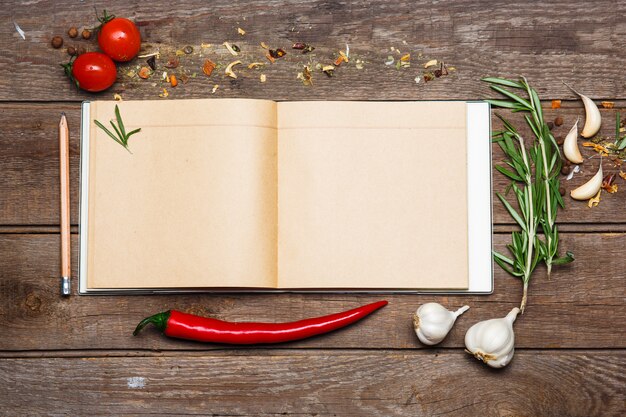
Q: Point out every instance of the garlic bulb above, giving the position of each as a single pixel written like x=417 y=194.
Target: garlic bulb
x=590 y=188
x=492 y=341
x=433 y=321
x=593 y=120
x=570 y=145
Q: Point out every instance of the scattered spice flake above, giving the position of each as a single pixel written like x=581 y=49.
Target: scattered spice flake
x=173 y=80
x=359 y=64
x=390 y=60
x=164 y=94
x=576 y=170
x=269 y=58
x=19 y=30
x=328 y=70
x=156 y=54
x=306 y=76
x=241 y=31
x=556 y=104
x=417 y=79
x=264 y=45
x=255 y=65
x=172 y=62
x=593 y=202
x=338 y=61
x=430 y=63
x=229 y=69
x=428 y=76
x=117 y=97
x=144 y=73
x=405 y=58
x=622 y=175
x=277 y=53
x=231 y=49
x=298 y=45
x=263 y=78
x=184 y=78
x=208 y=67
x=451 y=69
x=215 y=87
x=344 y=55
x=607 y=104
x=131 y=73
x=152 y=62
x=597 y=147
x=180 y=52
x=205 y=45
x=608 y=184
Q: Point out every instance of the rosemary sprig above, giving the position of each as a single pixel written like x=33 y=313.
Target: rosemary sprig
x=120 y=136
x=536 y=172
x=620 y=142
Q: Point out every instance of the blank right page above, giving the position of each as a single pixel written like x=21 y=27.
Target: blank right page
x=372 y=195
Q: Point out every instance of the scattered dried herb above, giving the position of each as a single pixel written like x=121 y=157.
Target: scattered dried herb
x=120 y=136
x=208 y=67
x=215 y=87
x=608 y=184
x=270 y=58
x=255 y=65
x=241 y=31
x=620 y=127
x=164 y=94
x=304 y=47
x=622 y=175
x=428 y=76
x=430 y=63
x=264 y=45
x=229 y=69
x=328 y=70
x=306 y=76
x=231 y=48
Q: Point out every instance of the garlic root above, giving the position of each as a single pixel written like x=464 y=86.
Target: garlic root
x=570 y=145
x=432 y=322
x=593 y=120
x=590 y=188
x=493 y=341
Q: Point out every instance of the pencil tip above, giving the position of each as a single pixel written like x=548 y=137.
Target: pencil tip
x=62 y=113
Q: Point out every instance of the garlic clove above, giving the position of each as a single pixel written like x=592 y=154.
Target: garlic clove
x=593 y=120
x=492 y=341
x=432 y=322
x=570 y=145
x=590 y=188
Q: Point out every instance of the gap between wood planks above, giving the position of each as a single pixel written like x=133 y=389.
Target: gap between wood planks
x=262 y=351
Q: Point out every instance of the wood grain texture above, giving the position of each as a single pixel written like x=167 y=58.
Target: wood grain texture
x=318 y=383
x=569 y=311
x=29 y=163
x=581 y=42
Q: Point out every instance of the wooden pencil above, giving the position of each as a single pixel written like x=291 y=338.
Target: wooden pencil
x=64 y=151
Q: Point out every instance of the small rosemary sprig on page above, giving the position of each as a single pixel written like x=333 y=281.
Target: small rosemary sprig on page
x=535 y=182
x=120 y=136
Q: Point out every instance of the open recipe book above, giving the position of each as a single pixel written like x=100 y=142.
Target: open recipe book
x=242 y=194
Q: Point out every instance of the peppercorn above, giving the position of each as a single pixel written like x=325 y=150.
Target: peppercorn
x=562 y=191
x=73 y=32
x=550 y=125
x=57 y=42
x=188 y=49
x=86 y=34
x=71 y=51
x=560 y=140
x=558 y=120
x=565 y=170
x=81 y=50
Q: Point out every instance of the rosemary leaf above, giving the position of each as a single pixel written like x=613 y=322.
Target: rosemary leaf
x=120 y=135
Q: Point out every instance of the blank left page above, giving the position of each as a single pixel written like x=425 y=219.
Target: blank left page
x=194 y=205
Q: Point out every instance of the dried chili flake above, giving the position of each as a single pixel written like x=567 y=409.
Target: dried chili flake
x=208 y=67
x=607 y=104
x=338 y=61
x=328 y=70
x=622 y=175
x=306 y=76
x=556 y=104
x=405 y=58
x=595 y=200
x=270 y=58
x=264 y=45
x=307 y=49
x=184 y=78
x=428 y=76
x=144 y=72
x=299 y=45
x=241 y=31
x=608 y=184
x=152 y=62
x=597 y=147
x=277 y=53
x=164 y=94
x=173 y=80
x=172 y=62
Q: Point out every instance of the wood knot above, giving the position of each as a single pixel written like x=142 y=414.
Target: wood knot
x=33 y=302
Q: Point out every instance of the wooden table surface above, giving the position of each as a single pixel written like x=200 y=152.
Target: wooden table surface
x=76 y=356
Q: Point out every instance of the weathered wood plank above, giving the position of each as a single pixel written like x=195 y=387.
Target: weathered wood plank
x=568 y=311
x=29 y=185
x=318 y=383
x=581 y=42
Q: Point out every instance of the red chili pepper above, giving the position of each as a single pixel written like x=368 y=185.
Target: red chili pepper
x=188 y=326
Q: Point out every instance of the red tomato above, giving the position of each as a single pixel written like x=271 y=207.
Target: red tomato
x=94 y=71
x=119 y=38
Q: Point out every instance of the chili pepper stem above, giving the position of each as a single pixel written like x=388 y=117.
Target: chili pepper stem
x=159 y=320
